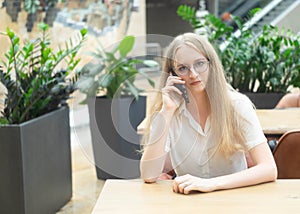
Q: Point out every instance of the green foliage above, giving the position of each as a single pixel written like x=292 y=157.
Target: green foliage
x=268 y=62
x=34 y=84
x=188 y=13
x=31 y=6
x=113 y=73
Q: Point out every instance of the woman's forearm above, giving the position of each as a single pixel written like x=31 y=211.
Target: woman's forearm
x=258 y=174
x=261 y=173
x=264 y=170
x=154 y=155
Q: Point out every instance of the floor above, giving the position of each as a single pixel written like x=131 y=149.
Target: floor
x=86 y=186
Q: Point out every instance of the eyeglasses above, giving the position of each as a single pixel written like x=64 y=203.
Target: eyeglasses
x=199 y=67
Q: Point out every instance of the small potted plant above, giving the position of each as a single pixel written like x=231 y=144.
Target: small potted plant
x=116 y=108
x=35 y=154
x=262 y=66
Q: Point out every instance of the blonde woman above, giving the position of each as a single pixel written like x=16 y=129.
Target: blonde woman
x=208 y=138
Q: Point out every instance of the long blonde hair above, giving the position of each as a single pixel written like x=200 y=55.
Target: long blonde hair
x=224 y=120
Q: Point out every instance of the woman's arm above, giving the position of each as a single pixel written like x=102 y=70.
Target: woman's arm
x=264 y=170
x=154 y=155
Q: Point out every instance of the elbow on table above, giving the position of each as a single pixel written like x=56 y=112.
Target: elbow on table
x=149 y=180
x=272 y=172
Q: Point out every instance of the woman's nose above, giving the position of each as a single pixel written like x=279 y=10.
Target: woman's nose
x=193 y=73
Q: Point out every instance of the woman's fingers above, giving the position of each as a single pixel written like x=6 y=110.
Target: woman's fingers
x=183 y=186
x=187 y=183
x=171 y=94
x=174 y=80
x=180 y=183
x=169 y=89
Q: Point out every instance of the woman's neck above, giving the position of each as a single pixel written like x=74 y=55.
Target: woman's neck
x=199 y=107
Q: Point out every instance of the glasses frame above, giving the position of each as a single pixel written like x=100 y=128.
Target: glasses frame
x=193 y=66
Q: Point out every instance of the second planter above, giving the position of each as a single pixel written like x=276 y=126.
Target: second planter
x=116 y=144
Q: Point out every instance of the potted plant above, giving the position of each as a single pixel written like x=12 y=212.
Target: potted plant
x=33 y=8
x=115 y=109
x=51 y=11
x=35 y=155
x=263 y=65
x=13 y=8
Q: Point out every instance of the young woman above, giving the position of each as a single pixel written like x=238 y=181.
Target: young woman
x=206 y=139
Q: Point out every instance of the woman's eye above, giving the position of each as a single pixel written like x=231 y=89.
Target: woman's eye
x=199 y=64
x=182 y=68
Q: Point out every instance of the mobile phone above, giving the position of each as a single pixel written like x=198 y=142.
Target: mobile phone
x=182 y=88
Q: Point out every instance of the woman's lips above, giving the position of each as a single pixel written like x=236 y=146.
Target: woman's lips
x=196 y=82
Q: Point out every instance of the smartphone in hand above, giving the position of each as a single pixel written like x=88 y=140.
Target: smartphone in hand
x=182 y=88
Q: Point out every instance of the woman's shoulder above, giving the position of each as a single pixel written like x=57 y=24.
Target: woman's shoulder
x=239 y=98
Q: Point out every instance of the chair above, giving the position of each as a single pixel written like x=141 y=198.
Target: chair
x=287 y=155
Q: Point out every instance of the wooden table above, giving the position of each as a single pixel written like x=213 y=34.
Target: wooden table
x=279 y=121
x=134 y=196
x=273 y=121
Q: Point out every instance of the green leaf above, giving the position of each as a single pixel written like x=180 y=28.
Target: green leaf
x=254 y=11
x=150 y=63
x=10 y=33
x=105 y=80
x=3 y=121
x=126 y=45
x=188 y=13
x=83 y=32
x=151 y=82
x=132 y=89
x=43 y=26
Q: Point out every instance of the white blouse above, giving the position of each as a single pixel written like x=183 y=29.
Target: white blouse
x=194 y=150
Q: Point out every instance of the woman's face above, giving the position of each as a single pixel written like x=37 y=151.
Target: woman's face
x=192 y=67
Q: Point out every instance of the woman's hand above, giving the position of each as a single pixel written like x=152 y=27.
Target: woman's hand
x=172 y=95
x=164 y=176
x=187 y=183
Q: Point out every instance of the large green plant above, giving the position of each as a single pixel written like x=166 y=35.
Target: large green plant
x=113 y=73
x=268 y=62
x=35 y=85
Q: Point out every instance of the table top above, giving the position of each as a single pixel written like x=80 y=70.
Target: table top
x=134 y=196
x=273 y=121
x=279 y=121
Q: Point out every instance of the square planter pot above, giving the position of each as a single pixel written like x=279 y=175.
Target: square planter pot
x=35 y=164
x=113 y=124
x=265 y=100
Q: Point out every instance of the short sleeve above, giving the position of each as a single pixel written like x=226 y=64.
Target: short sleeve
x=250 y=124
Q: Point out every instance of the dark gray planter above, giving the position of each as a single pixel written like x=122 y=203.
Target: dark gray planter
x=265 y=100
x=31 y=18
x=115 y=140
x=13 y=8
x=35 y=165
x=51 y=14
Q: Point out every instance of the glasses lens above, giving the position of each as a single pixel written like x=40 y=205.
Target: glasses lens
x=201 y=66
x=182 y=70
